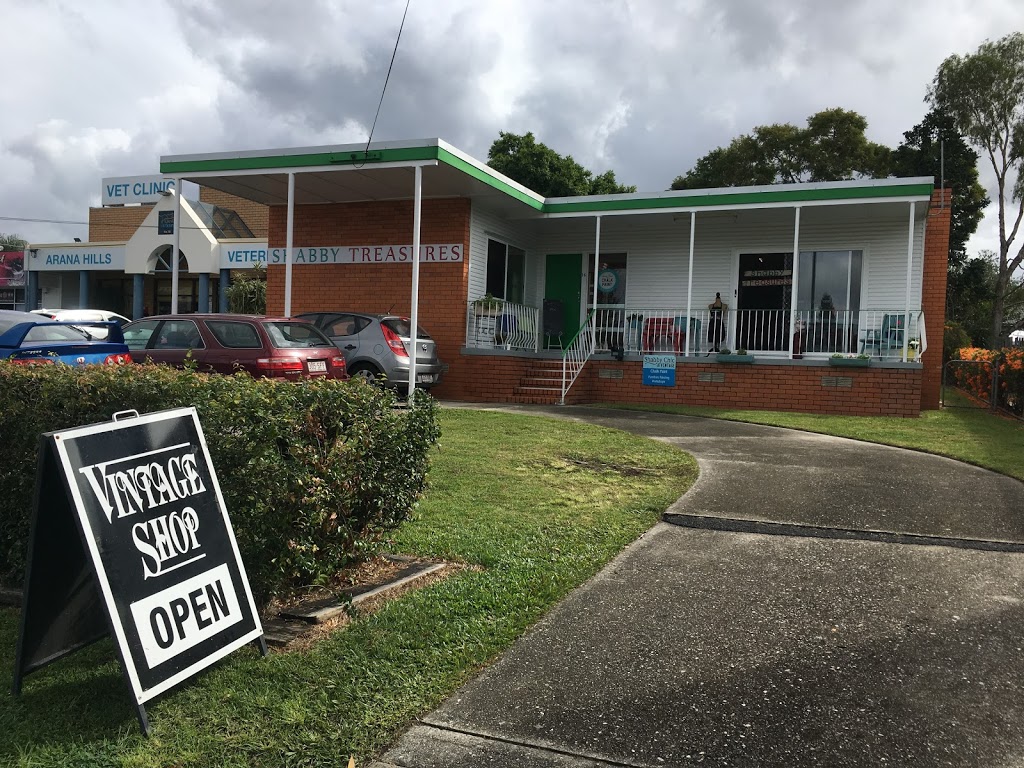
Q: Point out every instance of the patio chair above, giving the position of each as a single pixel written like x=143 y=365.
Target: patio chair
x=553 y=322
x=886 y=338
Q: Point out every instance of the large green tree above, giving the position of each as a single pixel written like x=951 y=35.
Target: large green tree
x=983 y=93
x=970 y=295
x=538 y=167
x=832 y=147
x=934 y=147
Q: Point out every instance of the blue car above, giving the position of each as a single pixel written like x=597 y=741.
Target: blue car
x=28 y=339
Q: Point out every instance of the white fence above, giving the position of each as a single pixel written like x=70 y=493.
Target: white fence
x=502 y=325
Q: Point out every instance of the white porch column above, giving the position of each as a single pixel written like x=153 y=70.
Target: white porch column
x=289 y=241
x=597 y=258
x=796 y=271
x=414 y=314
x=176 y=248
x=910 y=271
x=689 y=285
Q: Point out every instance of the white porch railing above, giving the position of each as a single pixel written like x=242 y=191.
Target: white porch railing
x=576 y=354
x=503 y=325
x=878 y=333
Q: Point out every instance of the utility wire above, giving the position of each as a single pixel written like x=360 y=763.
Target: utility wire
x=386 y=79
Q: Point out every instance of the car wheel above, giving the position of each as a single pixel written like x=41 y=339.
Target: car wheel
x=366 y=373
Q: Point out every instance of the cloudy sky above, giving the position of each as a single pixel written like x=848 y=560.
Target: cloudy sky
x=643 y=87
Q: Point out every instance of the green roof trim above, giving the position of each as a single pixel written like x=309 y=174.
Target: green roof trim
x=742 y=198
x=471 y=170
x=272 y=163
x=282 y=162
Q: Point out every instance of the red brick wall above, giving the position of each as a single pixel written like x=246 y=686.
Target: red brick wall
x=116 y=224
x=933 y=297
x=379 y=287
x=252 y=213
x=874 y=391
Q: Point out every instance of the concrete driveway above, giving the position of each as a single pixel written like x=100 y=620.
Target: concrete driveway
x=854 y=639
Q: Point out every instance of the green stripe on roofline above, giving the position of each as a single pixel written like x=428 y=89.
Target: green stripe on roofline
x=401 y=155
x=481 y=175
x=742 y=198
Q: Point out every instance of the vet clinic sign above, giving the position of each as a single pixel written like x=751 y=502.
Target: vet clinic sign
x=158 y=546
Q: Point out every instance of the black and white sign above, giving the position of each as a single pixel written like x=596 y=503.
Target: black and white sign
x=158 y=540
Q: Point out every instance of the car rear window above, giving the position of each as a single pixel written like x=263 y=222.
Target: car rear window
x=286 y=335
x=235 y=335
x=401 y=326
x=54 y=333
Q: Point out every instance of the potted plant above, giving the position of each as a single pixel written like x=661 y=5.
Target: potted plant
x=725 y=355
x=487 y=306
x=849 y=361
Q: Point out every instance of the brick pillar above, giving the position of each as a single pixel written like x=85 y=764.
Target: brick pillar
x=933 y=294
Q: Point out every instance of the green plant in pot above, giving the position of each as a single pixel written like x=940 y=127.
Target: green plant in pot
x=487 y=305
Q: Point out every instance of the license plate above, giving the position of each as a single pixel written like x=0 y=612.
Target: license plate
x=425 y=378
x=317 y=366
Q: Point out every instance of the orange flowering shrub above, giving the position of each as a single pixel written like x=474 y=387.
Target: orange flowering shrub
x=977 y=379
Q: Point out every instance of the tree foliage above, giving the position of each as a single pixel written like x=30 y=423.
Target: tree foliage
x=538 y=167
x=12 y=242
x=919 y=155
x=247 y=293
x=983 y=93
x=970 y=294
x=833 y=147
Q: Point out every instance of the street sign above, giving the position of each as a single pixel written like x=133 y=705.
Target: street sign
x=130 y=537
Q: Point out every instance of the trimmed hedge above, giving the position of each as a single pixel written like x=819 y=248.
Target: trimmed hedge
x=312 y=472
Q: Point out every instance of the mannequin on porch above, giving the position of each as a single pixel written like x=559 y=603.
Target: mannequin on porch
x=716 y=310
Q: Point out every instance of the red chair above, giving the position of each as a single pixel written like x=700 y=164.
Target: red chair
x=661 y=334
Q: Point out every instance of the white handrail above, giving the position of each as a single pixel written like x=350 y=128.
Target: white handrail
x=575 y=356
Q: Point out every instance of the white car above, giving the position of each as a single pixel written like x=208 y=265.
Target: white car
x=85 y=316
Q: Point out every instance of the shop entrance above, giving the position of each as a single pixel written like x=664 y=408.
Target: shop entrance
x=763 y=301
x=563 y=278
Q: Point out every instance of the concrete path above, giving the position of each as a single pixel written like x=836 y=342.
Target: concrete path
x=727 y=648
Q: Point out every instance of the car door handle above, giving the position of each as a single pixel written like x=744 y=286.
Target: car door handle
x=349 y=346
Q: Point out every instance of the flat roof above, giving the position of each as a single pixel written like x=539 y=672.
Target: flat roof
x=383 y=170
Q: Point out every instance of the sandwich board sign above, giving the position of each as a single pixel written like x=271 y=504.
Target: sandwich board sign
x=130 y=537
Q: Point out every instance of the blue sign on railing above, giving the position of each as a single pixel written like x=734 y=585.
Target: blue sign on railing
x=659 y=371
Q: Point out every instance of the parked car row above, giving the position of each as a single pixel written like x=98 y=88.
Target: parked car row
x=373 y=347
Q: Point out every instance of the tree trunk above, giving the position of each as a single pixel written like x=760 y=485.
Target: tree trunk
x=998 y=301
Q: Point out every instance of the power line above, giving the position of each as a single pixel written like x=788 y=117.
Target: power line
x=386 y=79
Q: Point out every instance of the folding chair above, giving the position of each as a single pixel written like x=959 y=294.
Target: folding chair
x=886 y=338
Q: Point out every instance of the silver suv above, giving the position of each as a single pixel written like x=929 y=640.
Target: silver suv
x=376 y=347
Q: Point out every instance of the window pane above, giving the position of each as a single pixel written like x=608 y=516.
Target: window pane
x=284 y=335
x=830 y=281
x=179 y=334
x=234 y=334
x=138 y=335
x=516 y=275
x=611 y=288
x=495 y=269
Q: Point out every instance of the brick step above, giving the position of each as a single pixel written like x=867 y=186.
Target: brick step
x=536 y=398
x=549 y=382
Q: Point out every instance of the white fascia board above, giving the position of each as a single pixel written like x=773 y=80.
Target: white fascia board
x=484 y=168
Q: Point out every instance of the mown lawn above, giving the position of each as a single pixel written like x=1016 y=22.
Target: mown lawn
x=969 y=434
x=540 y=505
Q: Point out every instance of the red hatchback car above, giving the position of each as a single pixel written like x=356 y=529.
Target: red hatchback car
x=275 y=347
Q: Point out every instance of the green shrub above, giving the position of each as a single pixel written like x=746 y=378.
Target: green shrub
x=312 y=472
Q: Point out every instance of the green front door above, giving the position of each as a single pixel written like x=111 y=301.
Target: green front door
x=563 y=275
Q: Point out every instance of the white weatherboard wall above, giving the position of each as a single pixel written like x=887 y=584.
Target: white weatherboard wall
x=485 y=225
x=657 y=248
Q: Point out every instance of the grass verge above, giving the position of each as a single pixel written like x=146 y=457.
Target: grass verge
x=540 y=504
x=970 y=434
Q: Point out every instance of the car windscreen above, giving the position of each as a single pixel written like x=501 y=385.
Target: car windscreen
x=285 y=335
x=402 y=326
x=42 y=333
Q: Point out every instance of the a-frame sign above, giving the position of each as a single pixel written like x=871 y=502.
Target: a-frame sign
x=130 y=537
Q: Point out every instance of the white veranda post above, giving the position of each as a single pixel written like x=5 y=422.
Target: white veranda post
x=795 y=287
x=289 y=241
x=689 y=285
x=176 y=248
x=910 y=268
x=414 y=314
